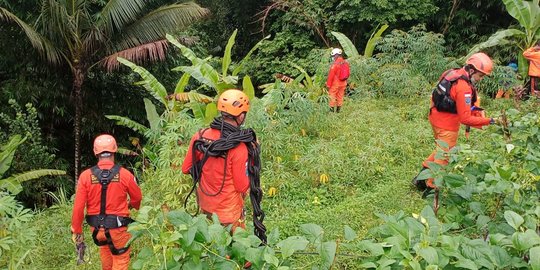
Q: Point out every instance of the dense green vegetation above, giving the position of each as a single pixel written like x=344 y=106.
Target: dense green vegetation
x=337 y=186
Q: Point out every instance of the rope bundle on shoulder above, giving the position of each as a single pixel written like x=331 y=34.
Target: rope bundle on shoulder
x=231 y=137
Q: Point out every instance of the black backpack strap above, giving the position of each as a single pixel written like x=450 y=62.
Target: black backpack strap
x=104 y=221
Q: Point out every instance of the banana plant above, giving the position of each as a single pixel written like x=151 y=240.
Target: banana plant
x=13 y=183
x=527 y=13
x=349 y=48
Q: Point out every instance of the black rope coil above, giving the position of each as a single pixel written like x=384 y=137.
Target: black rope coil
x=232 y=136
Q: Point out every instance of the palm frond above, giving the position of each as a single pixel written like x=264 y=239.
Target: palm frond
x=149 y=52
x=154 y=25
x=118 y=13
x=126 y=122
x=56 y=23
x=39 y=42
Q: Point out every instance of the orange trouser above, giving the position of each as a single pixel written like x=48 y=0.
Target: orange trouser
x=336 y=93
x=120 y=237
x=450 y=137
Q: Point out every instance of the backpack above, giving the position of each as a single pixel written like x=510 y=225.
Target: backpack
x=441 y=93
x=344 y=70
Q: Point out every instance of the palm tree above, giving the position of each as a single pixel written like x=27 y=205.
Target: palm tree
x=80 y=35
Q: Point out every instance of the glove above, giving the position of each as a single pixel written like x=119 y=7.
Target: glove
x=77 y=238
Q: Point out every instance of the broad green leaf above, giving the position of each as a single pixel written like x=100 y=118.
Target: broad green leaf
x=247 y=85
x=182 y=83
x=273 y=237
x=466 y=264
x=424 y=175
x=150 y=83
x=368 y=265
x=513 y=219
x=526 y=12
x=534 y=258
x=151 y=114
x=328 y=253
x=313 y=232
x=375 y=36
x=188 y=53
x=349 y=233
x=198 y=109
x=12 y=183
x=500 y=38
x=8 y=151
x=126 y=122
x=499 y=256
x=375 y=249
x=347 y=45
x=271 y=259
x=526 y=240
x=226 y=62
x=291 y=245
x=210 y=113
x=429 y=254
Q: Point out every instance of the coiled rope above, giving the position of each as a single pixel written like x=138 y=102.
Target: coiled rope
x=232 y=136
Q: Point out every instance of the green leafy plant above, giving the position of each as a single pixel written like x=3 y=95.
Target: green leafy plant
x=527 y=13
x=16 y=232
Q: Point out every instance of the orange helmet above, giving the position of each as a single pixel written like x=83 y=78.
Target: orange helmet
x=233 y=102
x=481 y=62
x=104 y=143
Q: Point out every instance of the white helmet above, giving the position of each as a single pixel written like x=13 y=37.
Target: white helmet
x=336 y=51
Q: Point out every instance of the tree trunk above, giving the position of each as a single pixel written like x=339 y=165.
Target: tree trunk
x=455 y=5
x=78 y=79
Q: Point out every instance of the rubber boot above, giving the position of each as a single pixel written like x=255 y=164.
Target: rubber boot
x=338 y=108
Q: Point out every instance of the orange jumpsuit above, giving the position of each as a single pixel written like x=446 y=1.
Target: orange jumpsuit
x=336 y=87
x=89 y=195
x=446 y=125
x=533 y=55
x=218 y=193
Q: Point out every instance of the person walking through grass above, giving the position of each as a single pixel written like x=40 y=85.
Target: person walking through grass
x=224 y=162
x=452 y=104
x=103 y=190
x=337 y=80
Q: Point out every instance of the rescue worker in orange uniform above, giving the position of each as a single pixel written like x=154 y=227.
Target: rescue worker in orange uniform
x=103 y=190
x=533 y=55
x=224 y=163
x=336 y=86
x=459 y=109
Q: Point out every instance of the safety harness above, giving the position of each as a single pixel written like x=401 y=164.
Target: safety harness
x=441 y=94
x=231 y=137
x=104 y=221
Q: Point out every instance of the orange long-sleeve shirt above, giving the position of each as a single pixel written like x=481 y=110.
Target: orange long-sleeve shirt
x=461 y=93
x=333 y=74
x=88 y=196
x=533 y=55
x=229 y=203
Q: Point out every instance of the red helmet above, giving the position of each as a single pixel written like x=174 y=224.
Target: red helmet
x=104 y=143
x=481 y=62
x=233 y=102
